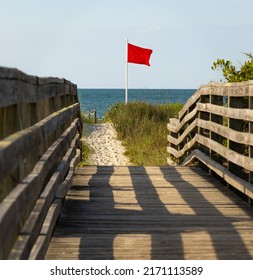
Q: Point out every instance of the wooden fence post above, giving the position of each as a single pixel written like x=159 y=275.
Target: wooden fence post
x=89 y=115
x=95 y=116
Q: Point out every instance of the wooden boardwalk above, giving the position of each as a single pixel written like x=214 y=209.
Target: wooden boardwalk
x=151 y=213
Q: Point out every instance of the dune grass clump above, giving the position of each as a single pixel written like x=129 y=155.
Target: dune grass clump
x=143 y=129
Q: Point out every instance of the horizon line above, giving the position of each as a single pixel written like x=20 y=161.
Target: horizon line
x=135 y=88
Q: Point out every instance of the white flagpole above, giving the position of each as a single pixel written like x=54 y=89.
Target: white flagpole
x=126 y=73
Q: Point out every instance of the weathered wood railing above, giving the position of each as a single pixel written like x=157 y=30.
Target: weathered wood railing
x=215 y=128
x=40 y=128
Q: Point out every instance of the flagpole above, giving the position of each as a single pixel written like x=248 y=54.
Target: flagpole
x=126 y=73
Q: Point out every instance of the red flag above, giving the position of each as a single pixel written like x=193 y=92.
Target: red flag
x=138 y=55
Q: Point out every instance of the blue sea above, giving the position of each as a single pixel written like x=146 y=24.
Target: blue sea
x=103 y=99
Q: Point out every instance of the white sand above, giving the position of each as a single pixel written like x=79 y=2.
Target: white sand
x=107 y=150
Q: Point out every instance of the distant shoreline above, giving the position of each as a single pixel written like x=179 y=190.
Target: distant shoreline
x=103 y=99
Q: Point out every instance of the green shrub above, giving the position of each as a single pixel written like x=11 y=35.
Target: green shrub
x=143 y=129
x=86 y=152
x=231 y=74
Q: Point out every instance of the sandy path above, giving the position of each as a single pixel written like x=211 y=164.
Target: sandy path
x=107 y=149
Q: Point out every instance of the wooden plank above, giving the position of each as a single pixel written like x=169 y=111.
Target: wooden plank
x=40 y=247
x=231 y=134
x=14 y=148
x=65 y=186
x=39 y=118
x=185 y=148
x=192 y=100
x=230 y=178
x=14 y=209
x=143 y=221
x=236 y=153
x=215 y=89
x=219 y=89
x=15 y=74
x=18 y=87
x=177 y=141
x=226 y=132
x=31 y=229
x=241 y=160
x=186 y=119
x=235 y=113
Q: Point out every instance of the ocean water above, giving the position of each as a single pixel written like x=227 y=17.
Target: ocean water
x=103 y=99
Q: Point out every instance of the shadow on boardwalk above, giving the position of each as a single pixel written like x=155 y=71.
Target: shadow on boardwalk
x=151 y=213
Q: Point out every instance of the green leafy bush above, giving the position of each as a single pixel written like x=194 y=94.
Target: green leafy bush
x=231 y=74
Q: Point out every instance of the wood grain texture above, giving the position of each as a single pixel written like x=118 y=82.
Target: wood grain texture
x=238 y=183
x=16 y=147
x=218 y=89
x=226 y=132
x=31 y=229
x=151 y=213
x=40 y=128
x=15 y=210
x=18 y=87
x=217 y=121
x=239 y=114
x=231 y=155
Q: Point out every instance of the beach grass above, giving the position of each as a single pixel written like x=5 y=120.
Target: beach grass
x=86 y=151
x=142 y=127
x=85 y=118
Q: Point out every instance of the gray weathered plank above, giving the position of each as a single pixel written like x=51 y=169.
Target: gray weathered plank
x=14 y=210
x=138 y=213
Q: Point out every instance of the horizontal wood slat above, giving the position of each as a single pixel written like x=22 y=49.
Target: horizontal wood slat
x=239 y=114
x=16 y=147
x=229 y=177
x=218 y=121
x=219 y=89
x=226 y=132
x=232 y=156
x=17 y=87
x=31 y=229
x=40 y=129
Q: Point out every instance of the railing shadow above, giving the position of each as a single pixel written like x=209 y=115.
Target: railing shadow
x=106 y=221
x=151 y=219
x=101 y=202
x=225 y=240
x=166 y=242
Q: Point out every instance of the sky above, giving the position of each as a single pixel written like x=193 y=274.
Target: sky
x=84 y=40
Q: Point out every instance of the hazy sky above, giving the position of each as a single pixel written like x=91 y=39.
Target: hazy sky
x=84 y=40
